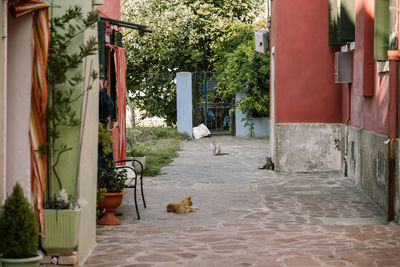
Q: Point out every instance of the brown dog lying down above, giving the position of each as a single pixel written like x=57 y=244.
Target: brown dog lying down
x=184 y=206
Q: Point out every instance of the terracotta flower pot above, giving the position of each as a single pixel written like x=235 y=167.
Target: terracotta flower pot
x=110 y=203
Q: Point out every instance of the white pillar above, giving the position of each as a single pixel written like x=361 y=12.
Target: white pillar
x=184 y=103
x=19 y=87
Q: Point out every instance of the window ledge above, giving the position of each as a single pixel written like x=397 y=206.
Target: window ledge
x=348 y=47
x=383 y=66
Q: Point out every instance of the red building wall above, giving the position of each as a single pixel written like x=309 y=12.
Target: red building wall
x=369 y=95
x=110 y=9
x=305 y=88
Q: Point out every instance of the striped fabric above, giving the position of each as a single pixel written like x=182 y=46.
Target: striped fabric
x=119 y=133
x=37 y=130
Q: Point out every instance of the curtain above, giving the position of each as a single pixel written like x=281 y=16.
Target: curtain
x=119 y=132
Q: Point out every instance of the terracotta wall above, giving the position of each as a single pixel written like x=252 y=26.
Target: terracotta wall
x=305 y=88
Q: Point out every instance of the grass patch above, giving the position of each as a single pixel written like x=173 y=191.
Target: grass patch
x=159 y=144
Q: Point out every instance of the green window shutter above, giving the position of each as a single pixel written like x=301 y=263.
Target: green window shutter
x=118 y=39
x=381 y=29
x=347 y=21
x=342 y=18
x=112 y=37
x=102 y=47
x=333 y=21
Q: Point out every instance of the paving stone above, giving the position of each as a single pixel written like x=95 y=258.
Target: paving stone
x=155 y=258
x=247 y=216
x=137 y=265
x=300 y=261
x=187 y=255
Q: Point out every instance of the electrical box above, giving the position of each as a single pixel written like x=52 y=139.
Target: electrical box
x=262 y=41
x=343 y=67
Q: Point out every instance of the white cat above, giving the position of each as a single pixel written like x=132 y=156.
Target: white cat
x=216 y=149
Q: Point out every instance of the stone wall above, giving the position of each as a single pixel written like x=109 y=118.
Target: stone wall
x=305 y=147
x=366 y=162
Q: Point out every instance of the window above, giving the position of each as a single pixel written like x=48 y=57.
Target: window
x=341 y=21
x=385 y=30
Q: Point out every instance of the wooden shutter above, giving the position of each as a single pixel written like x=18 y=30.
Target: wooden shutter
x=102 y=43
x=118 y=39
x=333 y=21
x=347 y=20
x=381 y=29
x=342 y=19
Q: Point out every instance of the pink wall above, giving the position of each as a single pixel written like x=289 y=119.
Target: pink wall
x=110 y=9
x=370 y=89
x=305 y=88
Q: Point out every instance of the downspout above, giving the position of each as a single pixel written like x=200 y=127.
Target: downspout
x=346 y=140
x=393 y=56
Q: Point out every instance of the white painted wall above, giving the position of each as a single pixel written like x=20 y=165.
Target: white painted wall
x=19 y=84
x=184 y=102
x=88 y=162
x=261 y=125
x=3 y=98
x=272 y=110
x=87 y=175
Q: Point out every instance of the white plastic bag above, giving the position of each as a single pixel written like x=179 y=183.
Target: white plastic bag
x=200 y=131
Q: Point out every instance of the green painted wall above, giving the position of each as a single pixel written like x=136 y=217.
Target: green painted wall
x=87 y=184
x=69 y=135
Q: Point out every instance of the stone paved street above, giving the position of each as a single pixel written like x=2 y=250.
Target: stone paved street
x=247 y=217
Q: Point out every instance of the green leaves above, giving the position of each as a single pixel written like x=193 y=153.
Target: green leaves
x=185 y=37
x=111 y=178
x=240 y=69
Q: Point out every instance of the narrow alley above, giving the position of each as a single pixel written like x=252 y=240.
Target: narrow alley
x=247 y=216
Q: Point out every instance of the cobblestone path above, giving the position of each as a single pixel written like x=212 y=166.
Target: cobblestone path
x=247 y=217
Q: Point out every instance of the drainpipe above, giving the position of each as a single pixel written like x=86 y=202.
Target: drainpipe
x=393 y=56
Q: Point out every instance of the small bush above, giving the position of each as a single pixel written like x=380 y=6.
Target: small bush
x=18 y=227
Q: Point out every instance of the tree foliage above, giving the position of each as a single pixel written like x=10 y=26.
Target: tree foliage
x=184 y=38
x=240 y=69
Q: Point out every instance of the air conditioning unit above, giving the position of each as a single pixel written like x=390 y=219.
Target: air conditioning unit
x=343 y=67
x=262 y=41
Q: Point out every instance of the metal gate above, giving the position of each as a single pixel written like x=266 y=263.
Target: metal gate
x=208 y=107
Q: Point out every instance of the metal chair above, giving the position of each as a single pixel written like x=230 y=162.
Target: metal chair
x=131 y=182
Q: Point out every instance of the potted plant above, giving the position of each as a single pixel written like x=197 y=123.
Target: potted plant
x=113 y=180
x=19 y=232
x=64 y=78
x=62 y=224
